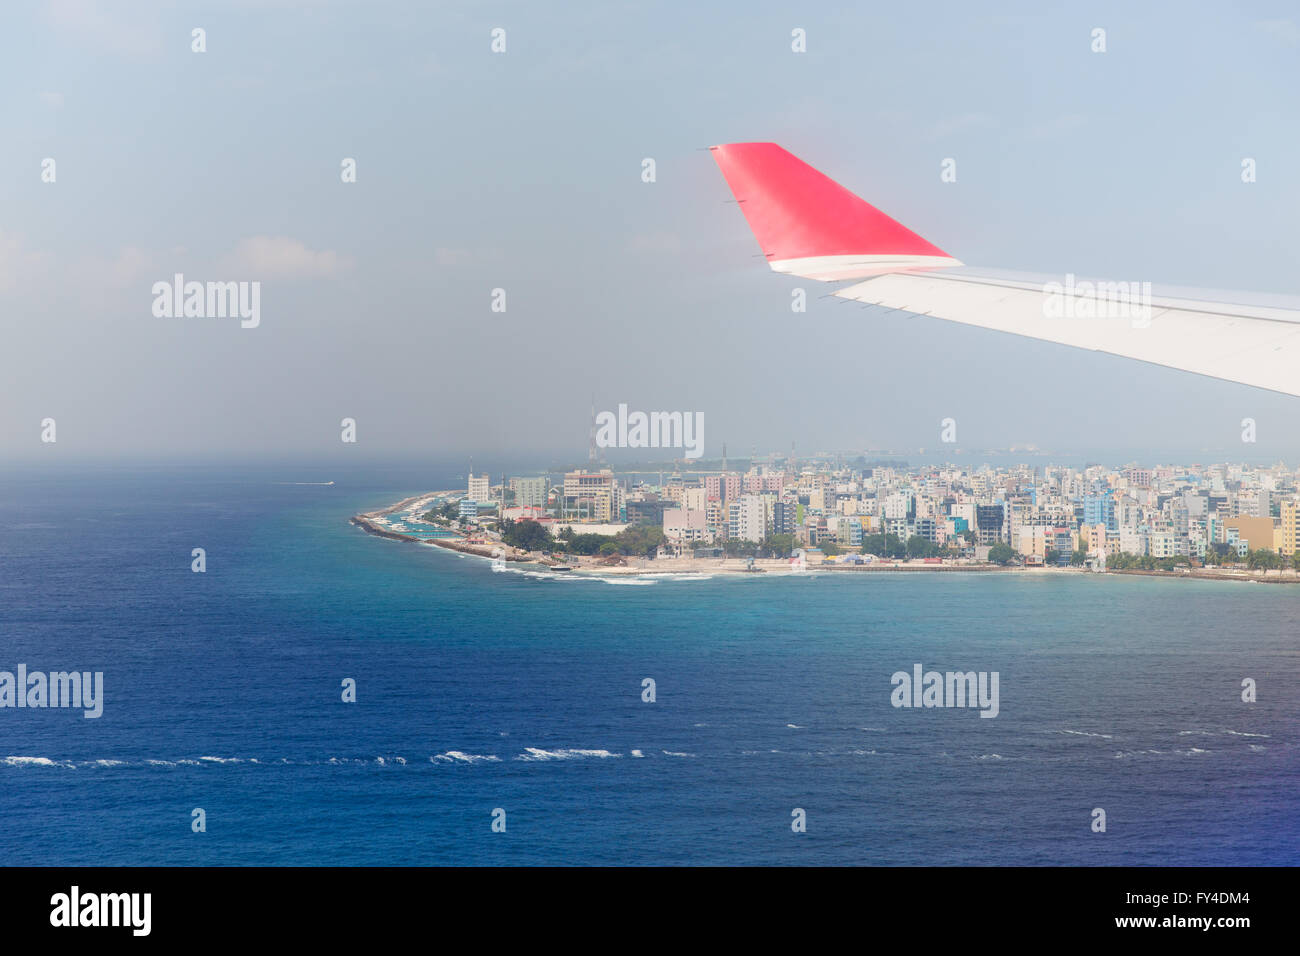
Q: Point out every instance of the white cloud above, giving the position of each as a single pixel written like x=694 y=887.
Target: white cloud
x=283 y=257
x=122 y=271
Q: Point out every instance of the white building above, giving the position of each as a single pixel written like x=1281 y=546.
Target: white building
x=747 y=518
x=685 y=524
x=480 y=489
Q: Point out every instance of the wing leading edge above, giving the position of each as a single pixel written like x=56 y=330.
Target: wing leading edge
x=809 y=226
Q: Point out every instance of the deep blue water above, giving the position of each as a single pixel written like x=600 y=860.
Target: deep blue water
x=223 y=692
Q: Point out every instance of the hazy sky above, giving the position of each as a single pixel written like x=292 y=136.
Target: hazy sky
x=522 y=171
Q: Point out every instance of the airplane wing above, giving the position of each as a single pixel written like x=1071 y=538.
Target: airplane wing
x=810 y=226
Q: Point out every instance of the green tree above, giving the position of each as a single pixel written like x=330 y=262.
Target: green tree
x=778 y=546
x=918 y=547
x=526 y=534
x=1002 y=554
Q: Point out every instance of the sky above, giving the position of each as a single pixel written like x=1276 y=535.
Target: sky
x=522 y=170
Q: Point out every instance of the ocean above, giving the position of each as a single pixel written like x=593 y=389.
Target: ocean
x=479 y=692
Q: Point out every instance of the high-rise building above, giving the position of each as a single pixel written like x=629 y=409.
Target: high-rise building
x=1100 y=509
x=988 y=523
x=1290 y=542
x=592 y=495
x=724 y=487
x=480 y=489
x=530 y=492
x=747 y=518
x=784 y=516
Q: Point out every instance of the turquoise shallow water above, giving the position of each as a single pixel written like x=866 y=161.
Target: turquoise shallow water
x=479 y=690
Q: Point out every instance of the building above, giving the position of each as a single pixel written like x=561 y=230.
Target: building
x=785 y=516
x=1290 y=528
x=480 y=489
x=1253 y=504
x=722 y=487
x=747 y=518
x=593 y=496
x=468 y=509
x=1255 y=533
x=530 y=492
x=1100 y=509
x=646 y=511
x=682 y=524
x=988 y=523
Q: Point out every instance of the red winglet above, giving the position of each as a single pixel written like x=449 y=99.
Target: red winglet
x=807 y=224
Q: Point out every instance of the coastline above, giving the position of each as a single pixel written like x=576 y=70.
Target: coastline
x=375 y=522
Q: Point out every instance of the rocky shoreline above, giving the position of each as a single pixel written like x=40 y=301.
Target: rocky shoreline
x=367 y=522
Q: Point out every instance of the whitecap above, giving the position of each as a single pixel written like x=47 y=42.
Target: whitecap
x=456 y=756
x=536 y=753
x=37 y=762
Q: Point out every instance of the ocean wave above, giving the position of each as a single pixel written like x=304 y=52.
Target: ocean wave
x=794 y=726
x=1084 y=733
x=536 y=753
x=36 y=762
x=456 y=756
x=637 y=753
x=676 y=576
x=1137 y=753
x=675 y=753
